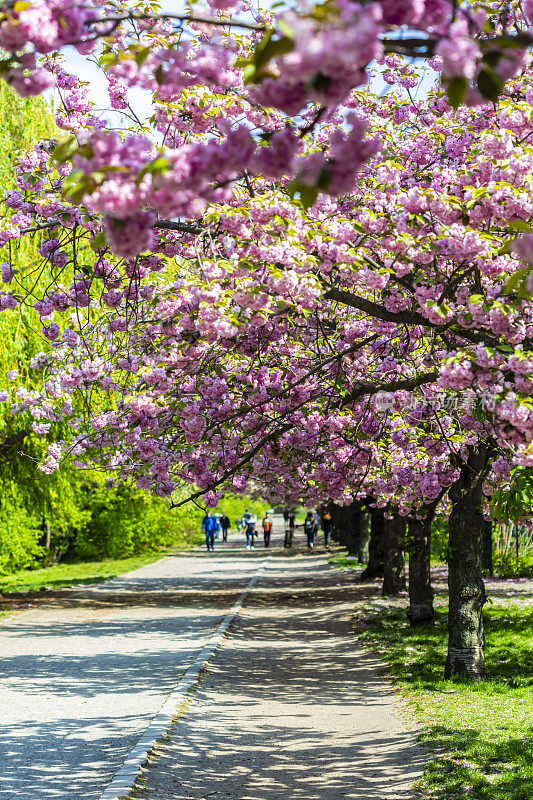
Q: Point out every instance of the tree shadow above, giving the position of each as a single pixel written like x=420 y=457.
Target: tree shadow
x=307 y=657
x=291 y=707
x=481 y=769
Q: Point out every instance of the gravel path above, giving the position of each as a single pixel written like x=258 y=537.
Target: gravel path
x=290 y=707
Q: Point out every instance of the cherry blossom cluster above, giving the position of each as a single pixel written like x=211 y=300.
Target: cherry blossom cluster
x=225 y=296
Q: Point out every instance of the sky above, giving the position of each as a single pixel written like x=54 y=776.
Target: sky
x=84 y=68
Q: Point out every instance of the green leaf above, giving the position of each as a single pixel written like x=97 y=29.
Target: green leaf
x=489 y=84
x=267 y=49
x=520 y=225
x=77 y=185
x=505 y=249
x=64 y=150
x=308 y=195
x=285 y=28
x=517 y=277
x=107 y=59
x=99 y=242
x=159 y=165
x=142 y=55
x=492 y=57
x=456 y=91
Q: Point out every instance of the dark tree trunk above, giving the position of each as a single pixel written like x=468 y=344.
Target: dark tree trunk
x=394 y=559
x=354 y=526
x=364 y=537
x=420 y=590
x=486 y=555
x=348 y=526
x=337 y=531
x=466 y=638
x=374 y=568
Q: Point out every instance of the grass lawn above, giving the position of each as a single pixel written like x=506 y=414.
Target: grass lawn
x=341 y=560
x=67 y=574
x=480 y=735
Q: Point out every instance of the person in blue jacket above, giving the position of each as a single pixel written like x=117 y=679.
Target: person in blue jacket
x=209 y=526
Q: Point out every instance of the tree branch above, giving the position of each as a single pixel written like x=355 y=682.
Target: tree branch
x=407 y=384
x=404 y=317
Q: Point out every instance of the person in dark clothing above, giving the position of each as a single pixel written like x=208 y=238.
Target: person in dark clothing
x=310 y=529
x=224 y=524
x=289 y=532
x=267 y=529
x=250 y=532
x=286 y=515
x=327 y=524
x=209 y=526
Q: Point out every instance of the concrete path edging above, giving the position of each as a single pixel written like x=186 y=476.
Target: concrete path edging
x=122 y=783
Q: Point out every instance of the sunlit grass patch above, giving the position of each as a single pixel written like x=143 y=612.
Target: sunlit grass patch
x=480 y=734
x=341 y=560
x=59 y=576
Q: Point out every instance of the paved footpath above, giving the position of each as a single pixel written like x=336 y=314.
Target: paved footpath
x=290 y=707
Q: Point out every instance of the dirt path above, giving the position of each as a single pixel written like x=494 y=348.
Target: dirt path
x=291 y=706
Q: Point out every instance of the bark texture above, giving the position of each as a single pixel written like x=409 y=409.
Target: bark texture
x=466 y=638
x=362 y=555
x=420 y=590
x=393 y=559
x=376 y=546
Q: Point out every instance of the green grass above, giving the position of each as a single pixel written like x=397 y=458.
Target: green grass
x=480 y=734
x=67 y=574
x=341 y=560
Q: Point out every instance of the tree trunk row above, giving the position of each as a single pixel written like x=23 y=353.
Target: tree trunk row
x=469 y=541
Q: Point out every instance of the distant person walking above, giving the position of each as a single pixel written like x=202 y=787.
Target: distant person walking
x=224 y=524
x=327 y=524
x=209 y=526
x=286 y=515
x=248 y=523
x=267 y=529
x=289 y=532
x=310 y=529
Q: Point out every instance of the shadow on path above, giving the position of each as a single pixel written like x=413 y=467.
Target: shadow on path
x=291 y=707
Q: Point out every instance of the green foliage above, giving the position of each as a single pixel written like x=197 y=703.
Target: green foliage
x=481 y=733
x=67 y=514
x=507 y=565
x=514 y=502
x=439 y=539
x=18 y=536
x=126 y=521
x=235 y=506
x=26 y=494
